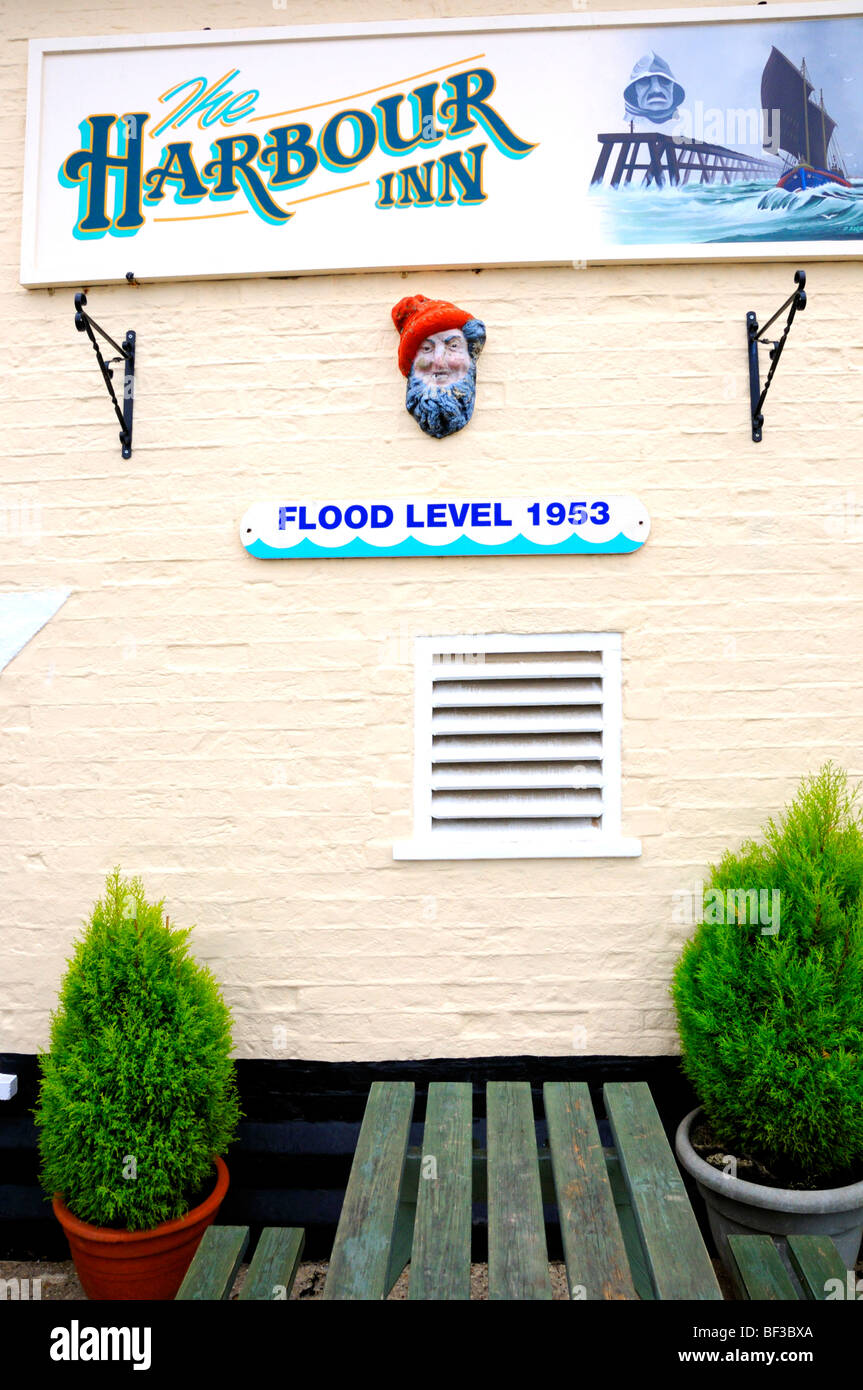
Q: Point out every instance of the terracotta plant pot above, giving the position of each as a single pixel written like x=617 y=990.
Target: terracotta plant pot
x=139 y=1264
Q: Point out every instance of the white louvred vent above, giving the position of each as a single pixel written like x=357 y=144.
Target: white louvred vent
x=517 y=745
x=517 y=741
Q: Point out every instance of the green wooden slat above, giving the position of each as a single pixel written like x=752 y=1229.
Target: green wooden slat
x=274 y=1264
x=517 y=1252
x=364 y=1237
x=760 y=1273
x=403 y=1239
x=634 y=1249
x=680 y=1266
x=629 y=1228
x=816 y=1260
x=217 y=1259
x=596 y=1263
x=440 y=1261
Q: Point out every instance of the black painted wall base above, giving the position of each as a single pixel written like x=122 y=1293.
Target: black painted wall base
x=290 y=1164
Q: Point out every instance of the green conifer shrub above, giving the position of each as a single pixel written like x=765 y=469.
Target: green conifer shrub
x=771 y=1026
x=137 y=1091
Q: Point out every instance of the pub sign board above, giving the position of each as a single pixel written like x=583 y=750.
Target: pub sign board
x=715 y=133
x=567 y=524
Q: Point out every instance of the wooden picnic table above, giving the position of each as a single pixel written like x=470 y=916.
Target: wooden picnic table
x=627 y=1228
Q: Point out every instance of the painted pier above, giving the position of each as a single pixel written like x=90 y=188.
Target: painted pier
x=662 y=159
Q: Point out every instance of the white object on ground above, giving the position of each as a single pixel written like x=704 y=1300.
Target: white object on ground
x=8 y=1086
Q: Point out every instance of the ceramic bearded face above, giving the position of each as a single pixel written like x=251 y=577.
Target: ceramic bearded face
x=438 y=348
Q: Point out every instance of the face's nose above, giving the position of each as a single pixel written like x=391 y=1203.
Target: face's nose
x=439 y=354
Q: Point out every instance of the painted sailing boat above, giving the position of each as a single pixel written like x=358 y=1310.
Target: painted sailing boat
x=806 y=131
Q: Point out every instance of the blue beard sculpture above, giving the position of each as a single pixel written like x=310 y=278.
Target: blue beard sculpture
x=442 y=410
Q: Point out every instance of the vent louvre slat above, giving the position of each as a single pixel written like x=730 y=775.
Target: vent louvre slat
x=485 y=805
x=490 y=748
x=517 y=719
x=481 y=669
x=501 y=774
x=493 y=693
x=572 y=825
x=556 y=661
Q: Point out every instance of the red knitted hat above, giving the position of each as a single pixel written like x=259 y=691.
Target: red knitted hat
x=417 y=317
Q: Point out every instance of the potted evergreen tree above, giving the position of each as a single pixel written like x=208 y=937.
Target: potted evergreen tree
x=137 y=1100
x=770 y=1016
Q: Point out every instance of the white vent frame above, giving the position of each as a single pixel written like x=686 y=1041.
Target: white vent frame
x=509 y=841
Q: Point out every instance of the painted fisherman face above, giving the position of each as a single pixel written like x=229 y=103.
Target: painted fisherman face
x=652 y=92
x=655 y=93
x=443 y=359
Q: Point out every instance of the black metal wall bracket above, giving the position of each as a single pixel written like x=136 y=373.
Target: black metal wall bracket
x=85 y=324
x=795 y=301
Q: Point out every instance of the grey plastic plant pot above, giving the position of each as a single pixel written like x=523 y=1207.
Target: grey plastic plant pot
x=737 y=1207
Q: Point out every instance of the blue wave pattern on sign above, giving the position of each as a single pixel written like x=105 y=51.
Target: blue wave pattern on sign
x=463 y=545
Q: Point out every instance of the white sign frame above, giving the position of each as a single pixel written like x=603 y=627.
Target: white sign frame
x=39 y=269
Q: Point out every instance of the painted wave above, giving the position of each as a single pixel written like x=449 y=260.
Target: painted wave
x=462 y=545
x=747 y=211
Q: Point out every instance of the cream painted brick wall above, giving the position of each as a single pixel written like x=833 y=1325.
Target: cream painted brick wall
x=240 y=733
